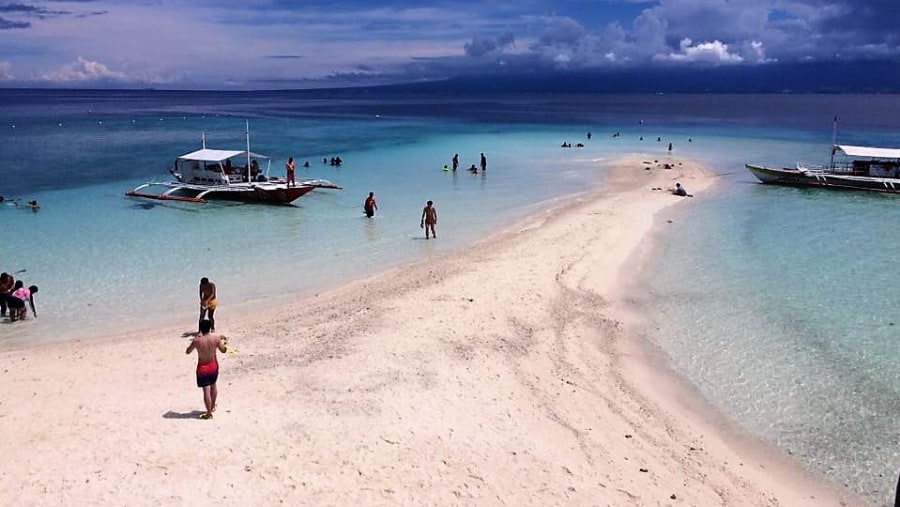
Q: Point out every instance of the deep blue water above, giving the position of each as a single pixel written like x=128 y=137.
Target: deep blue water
x=778 y=304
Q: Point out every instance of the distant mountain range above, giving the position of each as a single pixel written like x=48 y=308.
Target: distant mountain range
x=818 y=77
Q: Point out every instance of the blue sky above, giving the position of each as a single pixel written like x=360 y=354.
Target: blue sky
x=272 y=44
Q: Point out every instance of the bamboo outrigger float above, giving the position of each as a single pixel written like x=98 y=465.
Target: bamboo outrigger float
x=233 y=175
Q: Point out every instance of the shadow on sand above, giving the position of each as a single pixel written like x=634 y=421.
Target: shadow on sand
x=193 y=414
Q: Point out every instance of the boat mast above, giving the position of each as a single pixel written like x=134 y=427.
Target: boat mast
x=833 y=140
x=248 y=150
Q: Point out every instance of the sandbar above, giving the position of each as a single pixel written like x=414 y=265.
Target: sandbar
x=502 y=374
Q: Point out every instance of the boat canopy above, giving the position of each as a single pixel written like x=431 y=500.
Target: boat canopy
x=865 y=151
x=209 y=155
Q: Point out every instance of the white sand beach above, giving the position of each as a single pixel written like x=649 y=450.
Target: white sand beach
x=504 y=374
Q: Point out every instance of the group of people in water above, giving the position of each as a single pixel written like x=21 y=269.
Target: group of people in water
x=429 y=212
x=15 y=201
x=472 y=168
x=14 y=296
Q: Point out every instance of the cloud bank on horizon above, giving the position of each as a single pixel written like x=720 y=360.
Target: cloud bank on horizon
x=276 y=44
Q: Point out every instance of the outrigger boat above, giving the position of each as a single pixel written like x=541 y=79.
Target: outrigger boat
x=233 y=175
x=865 y=168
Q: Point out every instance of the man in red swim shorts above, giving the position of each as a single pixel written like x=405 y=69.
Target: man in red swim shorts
x=207 y=365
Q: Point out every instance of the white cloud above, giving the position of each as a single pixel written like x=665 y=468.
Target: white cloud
x=714 y=52
x=83 y=70
x=755 y=52
x=562 y=59
x=6 y=71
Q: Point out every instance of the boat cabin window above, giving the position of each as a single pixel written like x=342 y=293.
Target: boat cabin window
x=883 y=170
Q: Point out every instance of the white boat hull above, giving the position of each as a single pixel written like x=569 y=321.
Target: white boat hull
x=819 y=178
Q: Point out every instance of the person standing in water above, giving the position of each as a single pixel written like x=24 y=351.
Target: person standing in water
x=369 y=206
x=429 y=219
x=7 y=282
x=207 y=364
x=17 y=300
x=483 y=163
x=208 y=301
x=455 y=161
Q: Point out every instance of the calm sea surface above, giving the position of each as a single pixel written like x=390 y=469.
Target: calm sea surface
x=778 y=304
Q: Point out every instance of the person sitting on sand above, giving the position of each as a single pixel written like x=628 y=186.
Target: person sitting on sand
x=679 y=190
x=207 y=364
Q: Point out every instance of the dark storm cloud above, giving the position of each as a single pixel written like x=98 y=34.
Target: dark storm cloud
x=28 y=10
x=93 y=13
x=22 y=8
x=564 y=31
x=40 y=12
x=857 y=27
x=6 y=24
x=480 y=46
x=786 y=30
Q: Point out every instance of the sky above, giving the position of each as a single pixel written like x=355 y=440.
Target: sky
x=282 y=44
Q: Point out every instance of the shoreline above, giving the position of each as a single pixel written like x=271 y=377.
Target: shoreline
x=494 y=373
x=648 y=368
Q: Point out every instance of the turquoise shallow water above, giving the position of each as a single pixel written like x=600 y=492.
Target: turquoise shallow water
x=101 y=258
x=778 y=304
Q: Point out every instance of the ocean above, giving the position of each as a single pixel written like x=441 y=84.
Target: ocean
x=776 y=303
